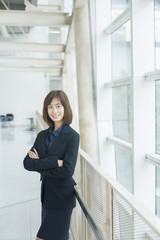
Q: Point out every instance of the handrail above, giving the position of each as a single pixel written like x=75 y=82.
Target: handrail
x=96 y=230
x=152 y=220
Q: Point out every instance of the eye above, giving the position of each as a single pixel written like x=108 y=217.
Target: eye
x=58 y=106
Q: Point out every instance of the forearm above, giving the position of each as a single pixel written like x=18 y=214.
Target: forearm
x=38 y=165
x=59 y=172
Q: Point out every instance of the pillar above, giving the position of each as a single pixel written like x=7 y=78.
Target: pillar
x=87 y=118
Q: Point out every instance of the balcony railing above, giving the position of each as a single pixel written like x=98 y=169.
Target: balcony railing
x=116 y=211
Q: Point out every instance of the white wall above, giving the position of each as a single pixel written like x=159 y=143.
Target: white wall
x=22 y=94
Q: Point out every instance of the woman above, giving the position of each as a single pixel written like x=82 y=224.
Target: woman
x=54 y=155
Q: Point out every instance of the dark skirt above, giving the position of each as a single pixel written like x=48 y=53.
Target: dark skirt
x=55 y=224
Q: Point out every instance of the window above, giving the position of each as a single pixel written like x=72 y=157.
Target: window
x=157 y=33
x=122 y=128
x=130 y=94
x=122 y=112
x=121 y=52
x=122 y=101
x=157 y=198
x=157 y=182
x=157 y=66
x=118 y=6
x=158 y=117
x=124 y=167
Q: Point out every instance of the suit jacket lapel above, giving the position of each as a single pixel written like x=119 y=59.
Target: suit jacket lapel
x=60 y=139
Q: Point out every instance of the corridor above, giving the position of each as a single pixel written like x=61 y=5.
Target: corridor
x=19 y=189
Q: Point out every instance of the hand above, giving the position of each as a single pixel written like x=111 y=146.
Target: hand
x=33 y=154
x=60 y=163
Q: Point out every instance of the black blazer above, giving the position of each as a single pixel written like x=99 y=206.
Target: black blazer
x=57 y=190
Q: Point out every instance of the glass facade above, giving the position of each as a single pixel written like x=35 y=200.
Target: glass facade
x=122 y=96
x=124 y=167
x=158 y=117
x=157 y=34
x=122 y=128
x=118 y=6
x=121 y=52
x=157 y=181
x=157 y=198
x=129 y=58
x=122 y=112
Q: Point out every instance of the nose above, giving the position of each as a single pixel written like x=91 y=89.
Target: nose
x=54 y=110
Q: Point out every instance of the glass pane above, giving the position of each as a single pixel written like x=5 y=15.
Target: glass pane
x=118 y=6
x=158 y=117
x=157 y=33
x=157 y=191
x=124 y=167
x=122 y=112
x=121 y=52
x=157 y=197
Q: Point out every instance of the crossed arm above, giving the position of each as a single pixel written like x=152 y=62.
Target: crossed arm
x=69 y=161
x=34 y=154
x=51 y=165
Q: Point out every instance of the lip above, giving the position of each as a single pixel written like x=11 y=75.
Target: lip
x=55 y=116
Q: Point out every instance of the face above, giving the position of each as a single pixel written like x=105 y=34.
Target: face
x=56 y=111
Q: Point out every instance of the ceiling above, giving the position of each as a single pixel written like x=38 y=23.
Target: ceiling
x=34 y=36
x=15 y=4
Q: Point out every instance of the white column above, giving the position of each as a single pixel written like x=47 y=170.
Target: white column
x=87 y=119
x=71 y=88
x=143 y=101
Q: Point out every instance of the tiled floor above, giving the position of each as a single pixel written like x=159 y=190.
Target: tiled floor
x=19 y=189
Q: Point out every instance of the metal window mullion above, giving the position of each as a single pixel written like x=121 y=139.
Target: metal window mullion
x=118 y=22
x=152 y=76
x=118 y=83
x=120 y=142
x=112 y=211
x=154 y=159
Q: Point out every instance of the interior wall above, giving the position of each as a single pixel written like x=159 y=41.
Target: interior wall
x=22 y=93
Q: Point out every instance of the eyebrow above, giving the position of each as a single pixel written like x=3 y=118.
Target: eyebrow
x=55 y=104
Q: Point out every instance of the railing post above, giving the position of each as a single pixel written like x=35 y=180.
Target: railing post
x=109 y=203
x=111 y=213
x=83 y=165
